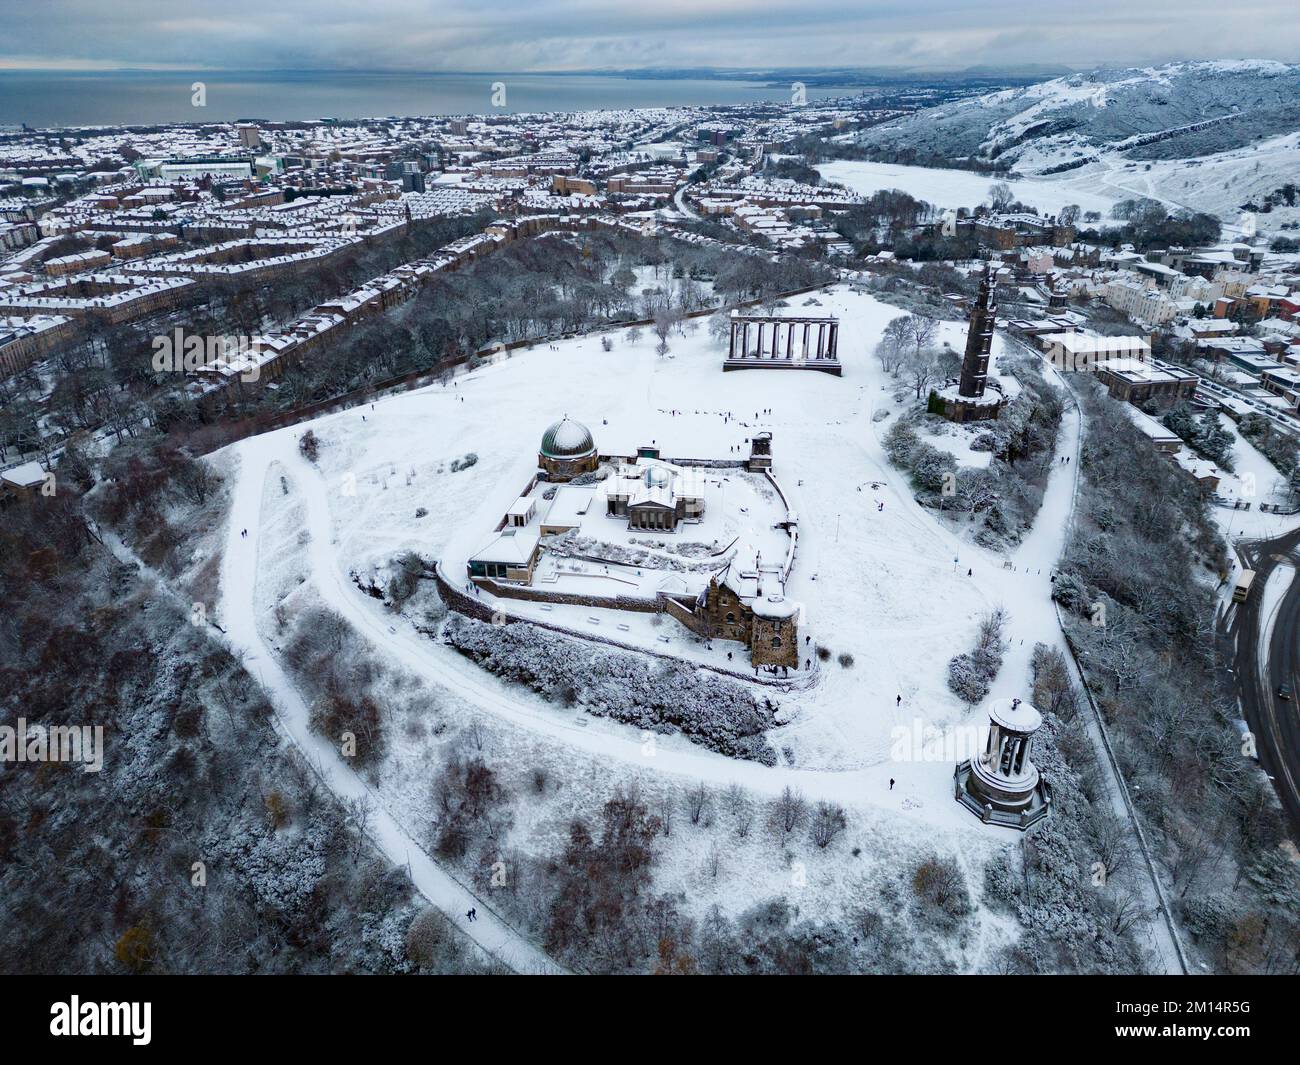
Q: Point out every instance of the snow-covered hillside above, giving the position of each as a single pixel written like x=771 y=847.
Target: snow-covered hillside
x=1128 y=130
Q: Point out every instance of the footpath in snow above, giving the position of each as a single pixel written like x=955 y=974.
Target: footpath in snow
x=238 y=578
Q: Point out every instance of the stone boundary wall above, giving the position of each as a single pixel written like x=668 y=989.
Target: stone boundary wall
x=458 y=601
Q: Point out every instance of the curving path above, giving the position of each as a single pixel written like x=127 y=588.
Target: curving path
x=1033 y=619
x=238 y=579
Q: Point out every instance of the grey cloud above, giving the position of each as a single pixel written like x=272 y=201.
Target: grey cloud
x=514 y=35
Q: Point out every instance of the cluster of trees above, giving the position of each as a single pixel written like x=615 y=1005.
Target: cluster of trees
x=1142 y=615
x=534 y=289
x=202 y=844
x=1074 y=885
x=1148 y=225
x=1007 y=493
x=791 y=168
x=332 y=668
x=472 y=806
x=971 y=673
x=880 y=221
x=593 y=903
x=1276 y=445
x=660 y=696
x=1285 y=195
x=1204 y=435
x=906 y=349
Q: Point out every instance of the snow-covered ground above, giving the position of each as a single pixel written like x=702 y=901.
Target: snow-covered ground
x=1254 y=480
x=1217 y=184
x=1271 y=595
x=879 y=584
x=949 y=189
x=956 y=439
x=880 y=580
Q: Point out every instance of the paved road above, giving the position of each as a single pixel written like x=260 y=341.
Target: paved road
x=1274 y=722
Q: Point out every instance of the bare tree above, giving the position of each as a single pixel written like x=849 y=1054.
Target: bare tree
x=665 y=321
x=666 y=812
x=698 y=801
x=358 y=811
x=741 y=809
x=789 y=811
x=921 y=331
x=828 y=821
x=894 y=341
x=920 y=370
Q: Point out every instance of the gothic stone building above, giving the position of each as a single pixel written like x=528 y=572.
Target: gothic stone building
x=734 y=607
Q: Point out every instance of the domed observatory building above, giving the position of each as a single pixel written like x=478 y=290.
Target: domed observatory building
x=1002 y=786
x=567 y=451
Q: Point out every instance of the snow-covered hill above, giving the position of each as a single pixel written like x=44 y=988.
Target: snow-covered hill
x=1181 y=110
x=1127 y=130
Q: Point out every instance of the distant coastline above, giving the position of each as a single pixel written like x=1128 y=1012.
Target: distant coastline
x=146 y=97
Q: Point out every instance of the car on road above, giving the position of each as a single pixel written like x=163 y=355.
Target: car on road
x=1284 y=691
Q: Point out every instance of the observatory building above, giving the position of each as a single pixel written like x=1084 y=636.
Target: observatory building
x=567 y=451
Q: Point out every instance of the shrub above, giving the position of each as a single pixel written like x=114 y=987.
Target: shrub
x=940 y=888
x=710 y=709
x=135 y=949
x=309 y=446
x=828 y=821
x=788 y=812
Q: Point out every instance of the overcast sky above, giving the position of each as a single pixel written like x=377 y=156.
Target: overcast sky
x=539 y=35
